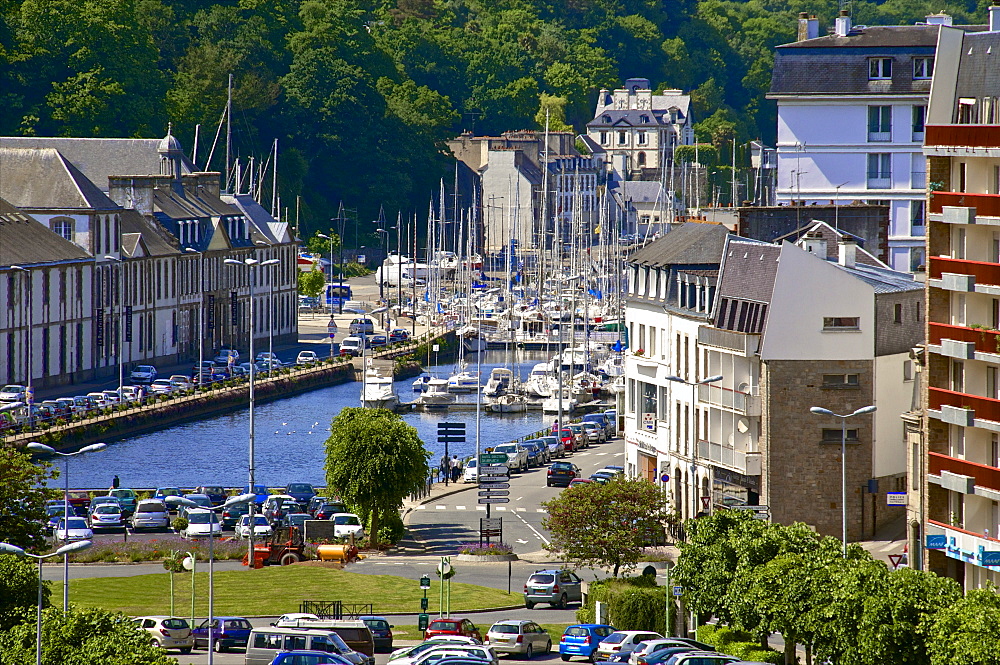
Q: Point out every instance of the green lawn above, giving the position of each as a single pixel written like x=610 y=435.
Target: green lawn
x=272 y=591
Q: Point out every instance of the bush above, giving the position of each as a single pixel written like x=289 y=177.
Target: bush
x=634 y=603
x=179 y=524
x=738 y=643
x=392 y=529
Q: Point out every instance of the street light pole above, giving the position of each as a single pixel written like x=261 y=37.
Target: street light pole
x=7 y=548
x=270 y=314
x=694 y=447
x=820 y=411
x=37 y=447
x=29 y=390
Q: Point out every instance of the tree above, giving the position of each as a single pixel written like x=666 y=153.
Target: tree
x=965 y=633
x=88 y=636
x=555 y=119
x=374 y=460
x=605 y=525
x=322 y=246
x=18 y=589
x=311 y=283
x=22 y=498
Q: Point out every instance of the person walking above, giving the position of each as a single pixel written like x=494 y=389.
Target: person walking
x=456 y=468
x=555 y=426
x=443 y=468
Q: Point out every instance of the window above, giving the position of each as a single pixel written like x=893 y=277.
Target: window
x=907 y=370
x=841 y=380
x=63 y=228
x=621 y=138
x=644 y=119
x=641 y=158
x=879 y=170
x=834 y=435
x=916 y=263
x=897 y=313
x=879 y=123
x=923 y=68
x=917 y=214
x=919 y=114
x=841 y=323
x=604 y=138
x=879 y=68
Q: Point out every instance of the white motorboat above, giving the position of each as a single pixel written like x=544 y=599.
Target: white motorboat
x=509 y=403
x=500 y=381
x=378 y=392
x=463 y=382
x=420 y=383
x=551 y=404
x=613 y=365
x=540 y=382
x=617 y=386
x=435 y=395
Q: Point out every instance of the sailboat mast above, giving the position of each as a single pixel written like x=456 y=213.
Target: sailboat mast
x=229 y=128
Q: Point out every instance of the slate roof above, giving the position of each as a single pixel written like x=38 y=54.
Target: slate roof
x=640 y=191
x=98 y=158
x=691 y=244
x=633 y=118
x=832 y=237
x=883 y=280
x=749 y=269
x=978 y=73
x=43 y=178
x=157 y=241
x=25 y=241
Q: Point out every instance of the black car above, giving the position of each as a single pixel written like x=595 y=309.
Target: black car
x=328 y=510
x=232 y=514
x=216 y=493
x=560 y=474
x=316 y=503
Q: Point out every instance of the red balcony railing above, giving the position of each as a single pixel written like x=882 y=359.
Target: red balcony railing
x=986 y=341
x=987 y=205
x=984 y=271
x=984 y=407
x=986 y=476
x=972 y=136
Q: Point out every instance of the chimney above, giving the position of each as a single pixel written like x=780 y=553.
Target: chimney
x=994 y=19
x=808 y=27
x=843 y=24
x=815 y=243
x=848 y=252
x=938 y=19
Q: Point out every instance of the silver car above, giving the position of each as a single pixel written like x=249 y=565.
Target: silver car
x=519 y=637
x=150 y=514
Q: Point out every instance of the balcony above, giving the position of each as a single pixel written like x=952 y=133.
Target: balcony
x=982 y=408
x=741 y=343
x=879 y=137
x=960 y=543
x=730 y=399
x=983 y=271
x=918 y=179
x=723 y=455
x=965 y=136
x=986 y=205
x=985 y=341
x=879 y=180
x=986 y=476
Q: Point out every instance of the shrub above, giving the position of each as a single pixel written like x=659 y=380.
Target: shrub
x=738 y=643
x=634 y=603
x=391 y=530
x=179 y=523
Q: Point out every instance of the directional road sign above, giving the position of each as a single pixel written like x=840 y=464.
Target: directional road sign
x=492 y=458
x=491 y=523
x=495 y=493
x=494 y=499
x=494 y=486
x=493 y=479
x=498 y=469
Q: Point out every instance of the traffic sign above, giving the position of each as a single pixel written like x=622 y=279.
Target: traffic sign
x=756 y=509
x=494 y=486
x=492 y=458
x=492 y=479
x=494 y=499
x=495 y=493
x=490 y=522
x=896 y=559
x=678 y=591
x=499 y=468
x=706 y=502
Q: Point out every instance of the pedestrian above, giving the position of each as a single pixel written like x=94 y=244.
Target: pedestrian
x=443 y=467
x=555 y=426
x=115 y=482
x=456 y=468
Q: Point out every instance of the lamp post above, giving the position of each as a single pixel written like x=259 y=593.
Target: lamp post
x=201 y=307
x=250 y=264
x=29 y=391
x=179 y=500
x=37 y=447
x=330 y=239
x=820 y=411
x=121 y=322
x=694 y=447
x=7 y=548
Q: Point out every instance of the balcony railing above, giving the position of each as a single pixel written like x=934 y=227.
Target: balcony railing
x=720 y=454
x=986 y=476
x=987 y=205
x=729 y=398
x=879 y=137
x=918 y=180
x=973 y=136
x=879 y=181
x=986 y=341
x=984 y=271
x=984 y=408
x=727 y=339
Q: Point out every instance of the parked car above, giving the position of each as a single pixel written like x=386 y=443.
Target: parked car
x=261 y=527
x=111 y=397
x=308 y=656
x=457 y=654
x=541 y=451
x=259 y=491
x=328 y=510
x=301 y=492
x=518 y=637
x=215 y=493
x=162 y=493
x=161 y=387
x=661 y=655
x=105 y=516
x=568 y=439
x=127 y=498
x=561 y=474
x=232 y=513
x=201 y=524
x=12 y=392
x=347 y=524
x=268 y=357
x=306 y=358
x=98 y=399
x=54 y=514
x=381 y=631
x=167 y=632
x=227 y=633
x=470 y=472
x=352 y=346
x=603 y=420
x=180 y=382
x=315 y=503
x=59 y=409
x=555 y=446
x=558 y=587
x=202 y=500
x=517 y=455
x=376 y=341
x=701 y=658
x=72 y=529
x=579 y=481
x=79 y=501
x=624 y=641
x=398 y=335
x=453 y=626
x=595 y=432
x=84 y=403
x=150 y=514
x=582 y=640
x=276 y=506
x=143 y=374
x=582 y=440
x=226 y=356
x=362 y=326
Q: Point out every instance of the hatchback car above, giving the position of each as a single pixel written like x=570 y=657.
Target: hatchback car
x=518 y=637
x=227 y=356
x=150 y=514
x=647 y=648
x=595 y=433
x=376 y=341
x=202 y=500
x=161 y=387
x=561 y=474
x=301 y=492
x=362 y=326
x=216 y=493
x=381 y=632
x=201 y=524
x=72 y=529
x=143 y=374
x=56 y=513
x=582 y=640
x=347 y=524
x=308 y=657
x=261 y=528
x=328 y=510
x=453 y=626
x=276 y=506
x=701 y=658
x=106 y=516
x=167 y=632
x=557 y=587
x=127 y=498
x=624 y=641
x=398 y=335
x=306 y=358
x=470 y=473
x=228 y=633
x=12 y=393
x=556 y=448
x=232 y=513
x=180 y=382
x=582 y=439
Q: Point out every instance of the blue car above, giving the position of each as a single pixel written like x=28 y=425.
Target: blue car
x=303 y=657
x=381 y=632
x=582 y=640
x=259 y=491
x=301 y=492
x=234 y=633
x=534 y=453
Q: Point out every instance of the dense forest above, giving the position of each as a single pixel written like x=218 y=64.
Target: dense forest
x=362 y=94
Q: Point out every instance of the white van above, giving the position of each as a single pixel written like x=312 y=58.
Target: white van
x=265 y=643
x=352 y=346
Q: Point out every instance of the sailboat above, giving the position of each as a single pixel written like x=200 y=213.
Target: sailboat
x=463 y=381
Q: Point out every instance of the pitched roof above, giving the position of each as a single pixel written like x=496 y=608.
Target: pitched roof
x=25 y=241
x=883 y=280
x=640 y=191
x=43 y=178
x=687 y=245
x=156 y=241
x=749 y=269
x=832 y=237
x=633 y=118
x=978 y=74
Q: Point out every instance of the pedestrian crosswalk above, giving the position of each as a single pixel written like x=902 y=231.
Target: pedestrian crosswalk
x=441 y=506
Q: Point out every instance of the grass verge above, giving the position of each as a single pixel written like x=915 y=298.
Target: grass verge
x=271 y=591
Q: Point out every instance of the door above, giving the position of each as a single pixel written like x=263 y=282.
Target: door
x=571 y=583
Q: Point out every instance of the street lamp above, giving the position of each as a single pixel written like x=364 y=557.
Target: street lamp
x=121 y=322
x=7 y=548
x=37 y=447
x=29 y=391
x=201 y=308
x=836 y=208
x=179 y=500
x=250 y=264
x=694 y=448
x=820 y=411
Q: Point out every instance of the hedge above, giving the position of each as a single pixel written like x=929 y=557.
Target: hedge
x=634 y=603
x=738 y=643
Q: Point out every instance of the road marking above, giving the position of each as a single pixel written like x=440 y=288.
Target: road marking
x=582 y=454
x=440 y=507
x=518 y=498
x=521 y=510
x=421 y=507
x=619 y=454
x=523 y=542
x=533 y=529
x=602 y=453
x=539 y=510
x=459 y=507
x=482 y=508
x=501 y=507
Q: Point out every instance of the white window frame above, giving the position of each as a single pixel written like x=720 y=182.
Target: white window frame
x=923 y=68
x=879 y=69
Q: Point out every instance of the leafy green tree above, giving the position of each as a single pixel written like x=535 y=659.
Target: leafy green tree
x=311 y=283
x=22 y=498
x=18 y=589
x=84 y=637
x=555 y=117
x=707 y=154
x=374 y=460
x=965 y=633
x=323 y=246
x=605 y=525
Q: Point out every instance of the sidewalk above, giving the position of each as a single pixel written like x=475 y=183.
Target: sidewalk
x=409 y=544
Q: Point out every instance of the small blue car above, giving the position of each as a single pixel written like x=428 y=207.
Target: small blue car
x=582 y=640
x=302 y=657
x=381 y=631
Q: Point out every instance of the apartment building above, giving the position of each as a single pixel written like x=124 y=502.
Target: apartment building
x=955 y=470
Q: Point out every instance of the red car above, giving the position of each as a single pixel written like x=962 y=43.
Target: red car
x=568 y=439
x=453 y=626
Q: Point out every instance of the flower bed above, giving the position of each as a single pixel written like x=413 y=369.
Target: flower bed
x=492 y=549
x=135 y=551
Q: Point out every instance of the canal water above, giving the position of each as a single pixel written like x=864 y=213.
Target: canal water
x=289 y=437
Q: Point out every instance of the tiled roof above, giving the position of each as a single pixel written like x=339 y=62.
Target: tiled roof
x=978 y=73
x=24 y=241
x=157 y=241
x=640 y=191
x=749 y=269
x=690 y=244
x=883 y=280
x=632 y=118
x=43 y=178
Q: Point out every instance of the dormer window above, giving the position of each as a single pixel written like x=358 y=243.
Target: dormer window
x=923 y=68
x=879 y=68
x=606 y=118
x=644 y=119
